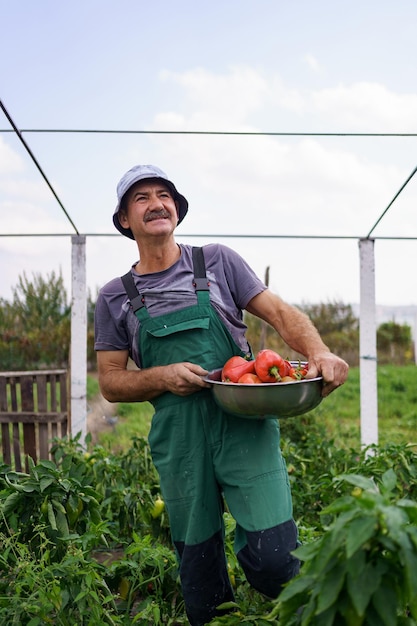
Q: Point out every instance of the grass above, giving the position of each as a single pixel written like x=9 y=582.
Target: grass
x=397 y=407
x=339 y=413
x=134 y=421
x=93 y=388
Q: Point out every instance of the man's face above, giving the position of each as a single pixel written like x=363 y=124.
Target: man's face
x=149 y=209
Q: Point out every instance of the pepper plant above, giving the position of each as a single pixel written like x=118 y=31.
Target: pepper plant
x=363 y=570
x=60 y=499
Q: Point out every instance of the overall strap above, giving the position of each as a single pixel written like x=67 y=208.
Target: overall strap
x=134 y=296
x=200 y=279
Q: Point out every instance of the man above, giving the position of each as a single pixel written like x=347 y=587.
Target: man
x=178 y=314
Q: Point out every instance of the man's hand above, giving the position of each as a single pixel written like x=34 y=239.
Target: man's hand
x=332 y=368
x=118 y=383
x=184 y=378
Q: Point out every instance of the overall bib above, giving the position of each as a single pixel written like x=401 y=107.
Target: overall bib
x=203 y=454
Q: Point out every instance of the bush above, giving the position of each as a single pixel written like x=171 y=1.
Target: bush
x=363 y=570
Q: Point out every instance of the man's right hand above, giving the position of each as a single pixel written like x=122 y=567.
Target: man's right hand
x=184 y=379
x=120 y=384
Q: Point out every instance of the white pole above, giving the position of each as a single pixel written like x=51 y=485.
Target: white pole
x=79 y=338
x=367 y=345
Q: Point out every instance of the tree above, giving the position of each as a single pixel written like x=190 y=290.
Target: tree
x=338 y=327
x=394 y=343
x=335 y=321
x=36 y=325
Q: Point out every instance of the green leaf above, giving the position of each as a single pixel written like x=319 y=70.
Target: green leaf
x=62 y=524
x=29 y=487
x=363 y=580
x=51 y=516
x=344 y=503
x=228 y=605
x=389 y=481
x=410 y=507
x=395 y=519
x=31 y=465
x=331 y=586
x=81 y=595
x=347 y=505
x=410 y=566
x=359 y=532
x=296 y=586
x=367 y=484
x=45 y=482
x=307 y=551
x=47 y=464
x=326 y=618
x=10 y=503
x=385 y=604
x=59 y=506
x=66 y=484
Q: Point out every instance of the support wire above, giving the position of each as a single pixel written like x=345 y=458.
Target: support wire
x=32 y=156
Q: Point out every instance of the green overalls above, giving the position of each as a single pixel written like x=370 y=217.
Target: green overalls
x=203 y=454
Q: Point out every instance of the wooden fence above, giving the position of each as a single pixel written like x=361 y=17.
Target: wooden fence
x=34 y=409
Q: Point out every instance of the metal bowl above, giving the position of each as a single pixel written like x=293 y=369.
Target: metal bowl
x=266 y=400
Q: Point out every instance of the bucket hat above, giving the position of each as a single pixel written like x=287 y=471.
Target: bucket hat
x=143 y=172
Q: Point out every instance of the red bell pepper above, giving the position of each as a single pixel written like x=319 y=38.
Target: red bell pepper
x=249 y=379
x=270 y=366
x=235 y=367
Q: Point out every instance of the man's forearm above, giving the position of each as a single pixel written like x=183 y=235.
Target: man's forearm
x=294 y=326
x=132 y=385
x=299 y=332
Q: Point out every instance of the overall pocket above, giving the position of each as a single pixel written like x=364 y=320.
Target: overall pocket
x=186 y=340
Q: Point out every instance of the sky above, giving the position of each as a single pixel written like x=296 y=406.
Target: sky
x=312 y=91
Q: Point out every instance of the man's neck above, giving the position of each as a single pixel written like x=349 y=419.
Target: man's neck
x=157 y=258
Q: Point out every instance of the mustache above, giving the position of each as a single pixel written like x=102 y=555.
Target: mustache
x=157 y=214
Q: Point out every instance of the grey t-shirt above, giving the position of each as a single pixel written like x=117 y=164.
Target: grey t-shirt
x=232 y=285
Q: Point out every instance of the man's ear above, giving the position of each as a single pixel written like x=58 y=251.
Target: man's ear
x=177 y=204
x=123 y=219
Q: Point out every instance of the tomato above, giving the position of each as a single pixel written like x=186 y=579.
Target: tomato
x=235 y=367
x=270 y=366
x=249 y=379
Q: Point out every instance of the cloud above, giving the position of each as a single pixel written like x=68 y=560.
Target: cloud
x=248 y=99
x=220 y=98
x=367 y=107
x=10 y=161
x=19 y=217
x=304 y=185
x=313 y=63
x=261 y=184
